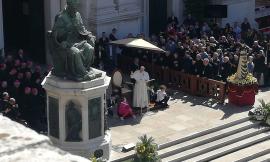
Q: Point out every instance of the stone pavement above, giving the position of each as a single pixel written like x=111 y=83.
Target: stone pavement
x=186 y=115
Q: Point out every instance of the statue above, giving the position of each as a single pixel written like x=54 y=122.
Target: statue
x=73 y=123
x=72 y=46
x=242 y=70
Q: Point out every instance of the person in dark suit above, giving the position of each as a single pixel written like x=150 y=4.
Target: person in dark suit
x=176 y=62
x=245 y=26
x=12 y=110
x=225 y=69
x=189 y=20
x=187 y=64
x=104 y=40
x=4 y=101
x=173 y=20
x=135 y=66
x=112 y=36
x=207 y=69
x=198 y=65
x=3 y=72
x=16 y=91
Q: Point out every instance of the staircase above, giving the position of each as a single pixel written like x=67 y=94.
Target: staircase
x=242 y=140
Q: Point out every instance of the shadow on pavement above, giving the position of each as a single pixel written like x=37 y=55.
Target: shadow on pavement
x=227 y=108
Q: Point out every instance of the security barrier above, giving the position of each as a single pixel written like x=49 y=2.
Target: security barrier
x=188 y=83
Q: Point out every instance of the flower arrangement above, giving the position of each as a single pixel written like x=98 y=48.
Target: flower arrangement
x=146 y=150
x=261 y=113
x=248 y=80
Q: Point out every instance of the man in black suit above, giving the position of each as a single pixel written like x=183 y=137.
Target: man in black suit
x=173 y=20
x=207 y=69
x=226 y=69
x=113 y=37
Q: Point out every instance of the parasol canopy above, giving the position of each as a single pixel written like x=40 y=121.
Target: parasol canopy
x=137 y=43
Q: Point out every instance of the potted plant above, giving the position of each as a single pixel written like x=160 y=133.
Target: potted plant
x=242 y=86
x=146 y=150
x=261 y=113
x=94 y=159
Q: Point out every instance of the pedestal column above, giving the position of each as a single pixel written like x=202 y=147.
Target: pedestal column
x=76 y=115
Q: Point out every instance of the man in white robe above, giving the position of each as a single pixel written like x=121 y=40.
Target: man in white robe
x=140 y=93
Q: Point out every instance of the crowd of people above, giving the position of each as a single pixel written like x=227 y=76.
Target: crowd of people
x=23 y=98
x=209 y=50
x=202 y=49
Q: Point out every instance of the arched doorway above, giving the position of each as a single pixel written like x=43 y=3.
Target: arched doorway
x=23 y=22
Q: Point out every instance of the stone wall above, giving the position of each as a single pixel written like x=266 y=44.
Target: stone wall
x=22 y=144
x=238 y=10
x=104 y=15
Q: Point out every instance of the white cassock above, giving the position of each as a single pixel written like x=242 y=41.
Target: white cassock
x=140 y=94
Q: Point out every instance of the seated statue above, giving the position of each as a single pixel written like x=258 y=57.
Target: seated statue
x=72 y=46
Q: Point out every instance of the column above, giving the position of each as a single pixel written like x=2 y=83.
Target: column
x=178 y=9
x=146 y=17
x=85 y=132
x=1 y=28
x=51 y=8
x=170 y=8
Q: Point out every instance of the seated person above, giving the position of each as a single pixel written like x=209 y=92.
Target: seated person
x=12 y=110
x=153 y=95
x=4 y=102
x=110 y=105
x=124 y=110
x=162 y=97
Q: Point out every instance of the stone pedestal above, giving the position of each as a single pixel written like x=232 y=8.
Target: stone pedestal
x=75 y=113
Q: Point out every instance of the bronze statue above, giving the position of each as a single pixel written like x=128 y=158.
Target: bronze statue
x=72 y=46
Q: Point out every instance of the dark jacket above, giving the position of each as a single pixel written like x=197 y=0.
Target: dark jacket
x=207 y=71
x=259 y=65
x=225 y=70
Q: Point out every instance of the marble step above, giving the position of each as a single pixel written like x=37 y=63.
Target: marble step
x=215 y=144
x=241 y=144
x=265 y=158
x=169 y=151
x=202 y=133
x=247 y=154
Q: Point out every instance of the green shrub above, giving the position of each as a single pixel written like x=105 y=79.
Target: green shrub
x=146 y=150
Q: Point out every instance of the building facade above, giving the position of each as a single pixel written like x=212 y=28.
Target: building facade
x=237 y=11
x=127 y=16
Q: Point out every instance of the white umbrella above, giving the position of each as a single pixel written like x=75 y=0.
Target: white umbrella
x=137 y=43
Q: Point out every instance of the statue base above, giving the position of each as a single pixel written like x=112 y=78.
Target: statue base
x=76 y=116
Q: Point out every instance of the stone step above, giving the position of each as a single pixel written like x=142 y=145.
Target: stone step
x=215 y=144
x=202 y=133
x=247 y=154
x=169 y=151
x=265 y=158
x=256 y=155
x=227 y=149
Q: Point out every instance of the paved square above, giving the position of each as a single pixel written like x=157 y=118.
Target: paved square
x=186 y=115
